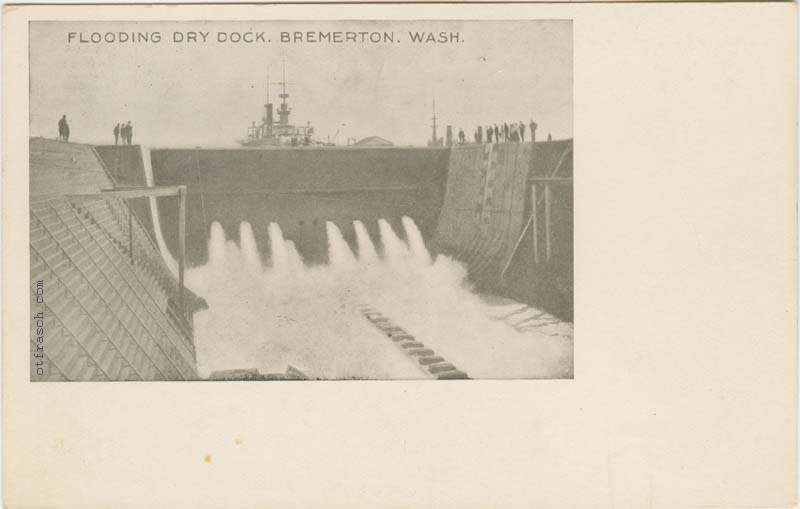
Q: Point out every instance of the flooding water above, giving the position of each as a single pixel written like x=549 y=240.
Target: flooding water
x=268 y=310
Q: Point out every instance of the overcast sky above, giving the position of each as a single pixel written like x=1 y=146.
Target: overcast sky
x=206 y=94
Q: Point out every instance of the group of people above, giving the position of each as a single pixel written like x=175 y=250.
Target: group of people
x=124 y=130
x=513 y=132
x=63 y=128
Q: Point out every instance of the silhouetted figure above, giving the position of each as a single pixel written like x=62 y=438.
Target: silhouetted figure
x=461 y=136
x=514 y=133
x=521 y=131
x=533 y=125
x=549 y=137
x=479 y=135
x=505 y=131
x=489 y=133
x=63 y=128
x=129 y=132
x=116 y=134
x=496 y=133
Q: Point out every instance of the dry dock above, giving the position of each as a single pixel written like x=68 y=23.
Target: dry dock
x=112 y=310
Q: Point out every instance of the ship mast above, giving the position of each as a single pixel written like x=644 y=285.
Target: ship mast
x=435 y=139
x=284 y=95
x=284 y=110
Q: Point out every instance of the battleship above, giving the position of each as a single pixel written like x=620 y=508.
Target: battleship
x=281 y=133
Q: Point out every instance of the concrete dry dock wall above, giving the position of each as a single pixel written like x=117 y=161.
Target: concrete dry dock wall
x=124 y=162
x=106 y=315
x=300 y=190
x=484 y=205
x=485 y=221
x=57 y=169
x=471 y=202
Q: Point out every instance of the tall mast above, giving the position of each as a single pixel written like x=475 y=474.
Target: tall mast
x=284 y=110
x=435 y=139
x=284 y=81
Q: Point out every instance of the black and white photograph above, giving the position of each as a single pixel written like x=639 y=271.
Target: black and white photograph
x=364 y=237
x=301 y=200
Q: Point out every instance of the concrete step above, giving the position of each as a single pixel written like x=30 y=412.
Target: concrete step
x=441 y=368
x=430 y=360
x=100 y=294
x=452 y=375
x=102 y=352
x=48 y=251
x=74 y=362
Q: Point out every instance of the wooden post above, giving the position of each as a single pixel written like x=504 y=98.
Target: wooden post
x=130 y=231
x=547 y=219
x=535 y=229
x=181 y=246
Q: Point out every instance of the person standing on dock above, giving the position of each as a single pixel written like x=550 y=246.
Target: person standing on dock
x=533 y=125
x=549 y=137
x=521 y=130
x=505 y=131
x=461 y=136
x=63 y=128
x=496 y=134
x=116 y=134
x=489 y=133
x=129 y=132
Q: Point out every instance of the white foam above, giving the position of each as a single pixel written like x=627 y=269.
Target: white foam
x=366 y=249
x=309 y=316
x=415 y=243
x=395 y=250
x=339 y=253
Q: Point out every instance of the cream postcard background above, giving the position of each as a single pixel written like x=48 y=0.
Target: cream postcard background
x=685 y=311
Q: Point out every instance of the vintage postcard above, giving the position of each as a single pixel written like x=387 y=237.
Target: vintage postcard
x=331 y=202
x=400 y=255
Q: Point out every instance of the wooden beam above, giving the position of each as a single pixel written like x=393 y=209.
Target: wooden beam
x=319 y=190
x=548 y=202
x=181 y=247
x=561 y=160
x=137 y=191
x=535 y=219
x=129 y=192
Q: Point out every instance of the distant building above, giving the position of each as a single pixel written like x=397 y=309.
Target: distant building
x=374 y=141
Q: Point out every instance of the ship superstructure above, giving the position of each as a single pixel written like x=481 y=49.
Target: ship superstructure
x=272 y=133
